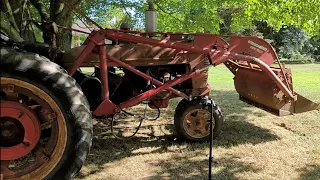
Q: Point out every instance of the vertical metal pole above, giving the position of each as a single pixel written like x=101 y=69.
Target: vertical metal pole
x=104 y=71
x=211 y=141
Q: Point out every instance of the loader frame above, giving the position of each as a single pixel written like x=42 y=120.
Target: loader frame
x=214 y=47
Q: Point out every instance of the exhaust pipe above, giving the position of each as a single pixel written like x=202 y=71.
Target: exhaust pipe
x=151 y=18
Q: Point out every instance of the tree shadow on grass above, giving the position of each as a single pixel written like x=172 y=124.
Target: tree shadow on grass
x=310 y=173
x=236 y=131
x=180 y=167
x=231 y=105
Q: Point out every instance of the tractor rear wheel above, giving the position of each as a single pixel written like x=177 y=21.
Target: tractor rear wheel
x=192 y=121
x=46 y=126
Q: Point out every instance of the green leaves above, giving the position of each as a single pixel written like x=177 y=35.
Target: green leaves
x=301 y=13
x=209 y=15
x=191 y=16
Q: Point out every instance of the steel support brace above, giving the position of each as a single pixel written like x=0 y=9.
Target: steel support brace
x=97 y=39
x=265 y=68
x=104 y=71
x=147 y=94
x=114 y=34
x=136 y=71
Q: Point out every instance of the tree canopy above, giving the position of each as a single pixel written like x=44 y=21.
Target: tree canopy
x=207 y=15
x=267 y=18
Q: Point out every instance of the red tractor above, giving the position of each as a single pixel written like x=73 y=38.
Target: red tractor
x=47 y=107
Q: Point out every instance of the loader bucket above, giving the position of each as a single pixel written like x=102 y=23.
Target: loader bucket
x=255 y=88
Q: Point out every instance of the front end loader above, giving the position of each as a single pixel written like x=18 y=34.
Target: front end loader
x=176 y=64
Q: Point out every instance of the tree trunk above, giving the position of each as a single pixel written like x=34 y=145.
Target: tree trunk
x=20 y=9
x=225 y=27
x=15 y=13
x=45 y=17
x=62 y=15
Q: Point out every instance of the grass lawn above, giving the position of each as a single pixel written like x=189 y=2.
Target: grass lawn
x=253 y=145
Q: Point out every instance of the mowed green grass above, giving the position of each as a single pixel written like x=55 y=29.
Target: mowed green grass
x=254 y=144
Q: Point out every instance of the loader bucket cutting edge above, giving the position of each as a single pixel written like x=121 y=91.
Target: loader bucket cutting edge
x=257 y=89
x=303 y=105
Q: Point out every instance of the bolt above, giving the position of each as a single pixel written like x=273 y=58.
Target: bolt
x=45 y=158
x=20 y=115
x=52 y=116
x=26 y=144
x=8 y=88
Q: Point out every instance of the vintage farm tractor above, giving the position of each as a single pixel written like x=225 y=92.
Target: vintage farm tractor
x=46 y=111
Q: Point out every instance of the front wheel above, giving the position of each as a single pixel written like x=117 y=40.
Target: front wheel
x=46 y=127
x=192 y=121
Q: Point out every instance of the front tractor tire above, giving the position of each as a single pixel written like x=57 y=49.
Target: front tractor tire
x=46 y=126
x=192 y=121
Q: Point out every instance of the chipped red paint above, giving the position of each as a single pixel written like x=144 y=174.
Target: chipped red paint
x=30 y=123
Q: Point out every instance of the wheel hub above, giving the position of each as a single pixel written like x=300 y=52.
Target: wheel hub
x=197 y=123
x=12 y=132
x=20 y=130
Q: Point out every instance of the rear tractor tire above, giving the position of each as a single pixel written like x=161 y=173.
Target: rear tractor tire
x=192 y=121
x=46 y=126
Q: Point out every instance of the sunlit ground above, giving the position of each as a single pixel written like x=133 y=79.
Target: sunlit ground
x=253 y=145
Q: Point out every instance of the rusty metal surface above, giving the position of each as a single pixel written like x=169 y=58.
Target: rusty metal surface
x=132 y=54
x=200 y=85
x=254 y=86
x=196 y=123
x=259 y=90
x=255 y=47
x=144 y=55
x=303 y=105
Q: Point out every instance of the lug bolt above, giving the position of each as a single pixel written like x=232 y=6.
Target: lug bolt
x=20 y=115
x=26 y=144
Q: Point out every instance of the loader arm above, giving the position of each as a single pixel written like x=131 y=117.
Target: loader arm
x=249 y=58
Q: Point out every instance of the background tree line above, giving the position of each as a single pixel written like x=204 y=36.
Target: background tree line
x=292 y=27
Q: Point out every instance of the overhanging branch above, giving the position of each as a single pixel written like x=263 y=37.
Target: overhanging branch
x=170 y=14
x=8 y=29
x=6 y=9
x=41 y=9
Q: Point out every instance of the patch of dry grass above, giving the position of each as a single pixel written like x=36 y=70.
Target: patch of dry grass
x=253 y=145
